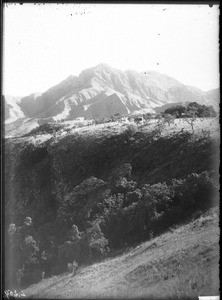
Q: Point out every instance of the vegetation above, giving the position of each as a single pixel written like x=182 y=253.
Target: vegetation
x=181 y=263
x=46 y=128
x=88 y=195
x=193 y=109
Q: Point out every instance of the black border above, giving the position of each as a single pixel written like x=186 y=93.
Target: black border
x=2 y=152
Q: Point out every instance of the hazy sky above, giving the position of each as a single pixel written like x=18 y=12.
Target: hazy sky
x=44 y=44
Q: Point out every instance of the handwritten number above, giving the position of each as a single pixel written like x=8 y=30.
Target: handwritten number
x=22 y=294
x=15 y=294
x=8 y=293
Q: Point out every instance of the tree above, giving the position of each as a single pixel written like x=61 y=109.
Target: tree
x=29 y=249
x=132 y=197
x=131 y=130
x=176 y=111
x=12 y=229
x=23 y=252
x=97 y=242
x=73 y=233
x=190 y=118
x=120 y=179
x=138 y=120
x=78 y=205
x=201 y=111
x=121 y=171
x=48 y=258
x=169 y=119
x=160 y=119
x=147 y=117
x=112 y=223
x=116 y=117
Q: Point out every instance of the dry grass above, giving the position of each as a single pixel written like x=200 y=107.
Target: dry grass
x=108 y=129
x=182 y=263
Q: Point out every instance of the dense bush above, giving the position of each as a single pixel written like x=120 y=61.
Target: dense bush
x=153 y=208
x=23 y=248
x=119 y=219
x=78 y=205
x=117 y=190
x=176 y=111
x=201 y=111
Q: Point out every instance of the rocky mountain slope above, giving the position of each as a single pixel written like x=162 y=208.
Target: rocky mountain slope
x=214 y=95
x=102 y=91
x=12 y=110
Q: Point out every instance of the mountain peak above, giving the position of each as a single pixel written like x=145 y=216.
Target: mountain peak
x=98 y=68
x=102 y=66
x=102 y=90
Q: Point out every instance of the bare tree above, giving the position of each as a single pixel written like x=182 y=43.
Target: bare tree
x=160 y=119
x=190 y=118
x=169 y=119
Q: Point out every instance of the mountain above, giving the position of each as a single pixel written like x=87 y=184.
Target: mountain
x=102 y=91
x=162 y=108
x=214 y=95
x=12 y=109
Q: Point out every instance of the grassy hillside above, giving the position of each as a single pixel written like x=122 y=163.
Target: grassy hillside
x=182 y=263
x=92 y=190
x=42 y=169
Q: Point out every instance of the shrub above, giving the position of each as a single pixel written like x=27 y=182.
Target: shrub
x=12 y=229
x=31 y=273
x=132 y=197
x=72 y=267
x=131 y=130
x=78 y=205
x=190 y=119
x=120 y=176
x=169 y=119
x=97 y=242
x=44 y=129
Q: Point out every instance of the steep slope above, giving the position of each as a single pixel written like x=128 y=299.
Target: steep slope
x=12 y=110
x=162 y=108
x=34 y=105
x=41 y=169
x=182 y=263
x=102 y=91
x=214 y=95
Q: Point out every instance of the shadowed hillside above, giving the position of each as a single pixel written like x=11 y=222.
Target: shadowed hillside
x=75 y=195
x=37 y=174
x=180 y=264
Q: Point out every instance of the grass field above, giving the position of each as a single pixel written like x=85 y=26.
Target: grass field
x=181 y=263
x=108 y=129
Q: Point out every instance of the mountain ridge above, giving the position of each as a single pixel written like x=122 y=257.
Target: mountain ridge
x=102 y=91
